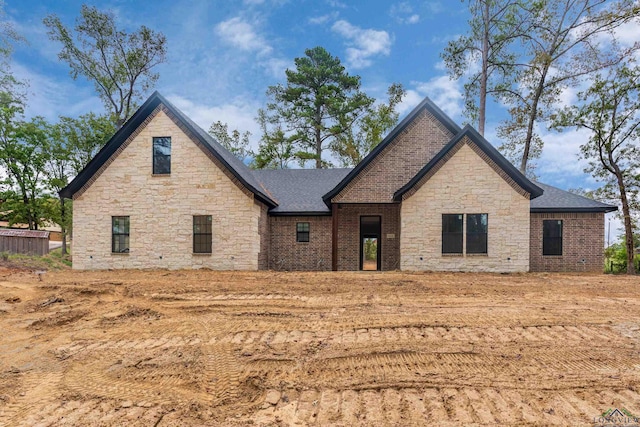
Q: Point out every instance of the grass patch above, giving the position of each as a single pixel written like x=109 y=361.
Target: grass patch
x=54 y=260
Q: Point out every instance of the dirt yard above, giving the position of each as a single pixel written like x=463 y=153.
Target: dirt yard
x=205 y=348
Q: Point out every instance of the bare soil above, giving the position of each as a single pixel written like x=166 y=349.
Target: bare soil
x=159 y=348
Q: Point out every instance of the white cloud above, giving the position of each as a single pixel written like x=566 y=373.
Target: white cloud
x=363 y=44
x=239 y=114
x=241 y=34
x=50 y=98
x=445 y=93
x=403 y=13
x=434 y=7
x=323 y=19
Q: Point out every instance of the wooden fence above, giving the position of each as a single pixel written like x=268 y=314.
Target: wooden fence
x=30 y=242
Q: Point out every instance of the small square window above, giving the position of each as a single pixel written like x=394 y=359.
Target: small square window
x=162 y=155
x=202 y=234
x=302 y=232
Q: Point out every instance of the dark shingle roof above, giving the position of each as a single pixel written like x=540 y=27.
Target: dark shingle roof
x=300 y=191
x=556 y=200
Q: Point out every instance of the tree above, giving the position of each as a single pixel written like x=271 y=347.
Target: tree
x=237 y=143
x=611 y=111
x=83 y=137
x=119 y=64
x=560 y=45
x=495 y=26
x=319 y=103
x=23 y=153
x=369 y=129
x=73 y=142
x=275 y=150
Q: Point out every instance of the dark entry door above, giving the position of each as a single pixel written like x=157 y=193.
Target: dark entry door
x=370 y=243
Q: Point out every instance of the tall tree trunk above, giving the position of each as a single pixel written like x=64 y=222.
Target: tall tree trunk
x=628 y=229
x=318 y=137
x=533 y=116
x=482 y=107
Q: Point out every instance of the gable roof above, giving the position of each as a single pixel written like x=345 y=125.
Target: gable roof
x=426 y=104
x=299 y=191
x=238 y=169
x=557 y=200
x=487 y=149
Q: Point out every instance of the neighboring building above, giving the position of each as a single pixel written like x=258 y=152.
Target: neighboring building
x=163 y=193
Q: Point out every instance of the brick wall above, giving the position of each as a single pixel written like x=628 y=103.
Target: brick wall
x=400 y=161
x=466 y=184
x=582 y=242
x=349 y=234
x=161 y=208
x=285 y=253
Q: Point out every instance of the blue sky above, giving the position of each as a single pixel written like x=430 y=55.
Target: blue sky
x=222 y=56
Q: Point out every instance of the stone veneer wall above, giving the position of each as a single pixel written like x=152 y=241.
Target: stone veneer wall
x=265 y=237
x=582 y=242
x=161 y=208
x=285 y=253
x=349 y=234
x=466 y=184
x=400 y=161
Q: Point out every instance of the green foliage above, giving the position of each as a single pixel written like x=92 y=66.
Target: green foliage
x=237 y=143
x=275 y=150
x=485 y=55
x=119 y=64
x=319 y=103
x=610 y=110
x=369 y=129
x=563 y=45
x=80 y=139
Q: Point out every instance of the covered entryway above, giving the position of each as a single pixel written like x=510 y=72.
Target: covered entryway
x=370 y=243
x=366 y=236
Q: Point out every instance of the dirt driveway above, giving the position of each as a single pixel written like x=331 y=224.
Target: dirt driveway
x=206 y=348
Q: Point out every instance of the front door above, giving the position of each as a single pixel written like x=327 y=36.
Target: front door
x=370 y=243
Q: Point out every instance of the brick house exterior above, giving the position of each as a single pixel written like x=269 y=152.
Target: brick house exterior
x=163 y=193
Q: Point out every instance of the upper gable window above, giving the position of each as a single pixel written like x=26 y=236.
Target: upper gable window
x=162 y=155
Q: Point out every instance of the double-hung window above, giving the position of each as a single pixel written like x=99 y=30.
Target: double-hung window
x=119 y=234
x=202 y=234
x=302 y=232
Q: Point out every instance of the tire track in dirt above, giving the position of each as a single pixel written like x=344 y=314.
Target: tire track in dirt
x=439 y=406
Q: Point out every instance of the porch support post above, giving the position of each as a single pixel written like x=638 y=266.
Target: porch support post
x=334 y=237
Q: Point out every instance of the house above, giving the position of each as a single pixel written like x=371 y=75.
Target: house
x=163 y=193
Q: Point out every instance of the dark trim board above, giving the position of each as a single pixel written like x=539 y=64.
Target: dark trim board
x=575 y=210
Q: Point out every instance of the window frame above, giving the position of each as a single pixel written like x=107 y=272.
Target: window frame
x=123 y=238
x=155 y=170
x=447 y=235
x=199 y=246
x=547 y=247
x=300 y=234
x=484 y=249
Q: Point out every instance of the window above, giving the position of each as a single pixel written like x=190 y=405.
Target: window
x=552 y=237
x=302 y=232
x=120 y=234
x=452 y=233
x=477 y=233
x=162 y=155
x=202 y=234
